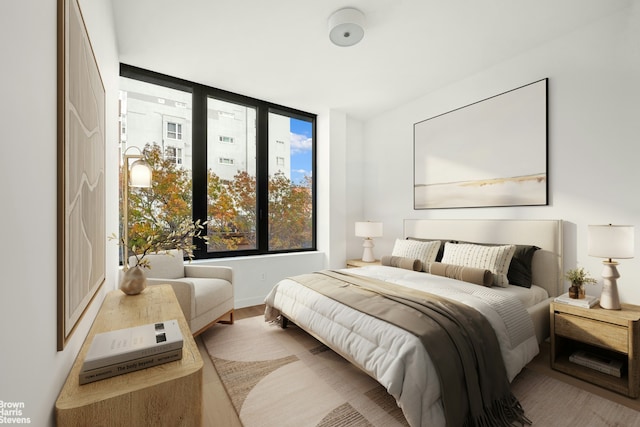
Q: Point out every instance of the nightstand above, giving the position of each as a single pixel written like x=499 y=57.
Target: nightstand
x=613 y=334
x=353 y=263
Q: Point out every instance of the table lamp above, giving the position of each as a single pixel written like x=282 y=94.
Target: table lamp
x=368 y=230
x=610 y=241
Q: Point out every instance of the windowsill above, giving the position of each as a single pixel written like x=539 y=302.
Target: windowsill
x=257 y=257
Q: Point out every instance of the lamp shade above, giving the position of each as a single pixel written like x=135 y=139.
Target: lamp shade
x=368 y=229
x=140 y=175
x=611 y=241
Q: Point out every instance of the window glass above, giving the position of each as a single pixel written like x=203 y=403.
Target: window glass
x=290 y=182
x=148 y=112
x=231 y=176
x=174 y=130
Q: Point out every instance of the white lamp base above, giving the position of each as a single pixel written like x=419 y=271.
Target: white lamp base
x=367 y=254
x=609 y=298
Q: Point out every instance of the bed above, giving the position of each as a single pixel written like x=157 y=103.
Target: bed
x=397 y=359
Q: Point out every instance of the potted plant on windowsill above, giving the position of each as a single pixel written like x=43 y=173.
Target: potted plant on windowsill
x=578 y=277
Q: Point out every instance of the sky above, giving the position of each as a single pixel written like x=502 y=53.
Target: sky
x=301 y=145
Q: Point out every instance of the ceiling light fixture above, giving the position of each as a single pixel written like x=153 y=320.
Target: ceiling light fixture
x=346 y=27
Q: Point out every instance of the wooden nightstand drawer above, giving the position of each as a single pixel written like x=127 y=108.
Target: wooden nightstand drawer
x=592 y=332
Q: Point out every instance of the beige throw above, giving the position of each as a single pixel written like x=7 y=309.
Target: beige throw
x=460 y=341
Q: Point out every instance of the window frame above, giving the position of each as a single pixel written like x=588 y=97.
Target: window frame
x=200 y=94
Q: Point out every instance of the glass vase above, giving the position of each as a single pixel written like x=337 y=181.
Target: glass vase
x=574 y=291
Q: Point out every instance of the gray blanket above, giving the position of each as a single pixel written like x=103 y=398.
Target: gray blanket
x=460 y=342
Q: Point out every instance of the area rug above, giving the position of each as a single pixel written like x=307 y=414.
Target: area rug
x=285 y=377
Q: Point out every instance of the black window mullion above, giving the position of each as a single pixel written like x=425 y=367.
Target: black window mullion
x=262 y=173
x=199 y=162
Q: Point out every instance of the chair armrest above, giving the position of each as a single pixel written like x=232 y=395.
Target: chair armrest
x=184 y=291
x=209 y=271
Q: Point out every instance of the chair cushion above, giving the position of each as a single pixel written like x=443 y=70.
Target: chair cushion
x=209 y=293
x=166 y=265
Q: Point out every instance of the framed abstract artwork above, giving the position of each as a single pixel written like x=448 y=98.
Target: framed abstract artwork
x=81 y=168
x=487 y=154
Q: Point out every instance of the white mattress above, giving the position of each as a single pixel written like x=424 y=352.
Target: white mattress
x=395 y=357
x=528 y=297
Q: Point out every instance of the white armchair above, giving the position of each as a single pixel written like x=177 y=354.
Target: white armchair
x=205 y=292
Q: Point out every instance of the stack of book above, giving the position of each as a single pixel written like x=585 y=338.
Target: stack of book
x=597 y=362
x=587 y=302
x=131 y=349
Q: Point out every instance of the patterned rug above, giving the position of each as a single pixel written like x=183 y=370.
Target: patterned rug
x=287 y=378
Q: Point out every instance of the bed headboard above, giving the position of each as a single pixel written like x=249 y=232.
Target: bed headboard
x=546 y=234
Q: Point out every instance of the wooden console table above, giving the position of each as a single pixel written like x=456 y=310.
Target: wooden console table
x=165 y=395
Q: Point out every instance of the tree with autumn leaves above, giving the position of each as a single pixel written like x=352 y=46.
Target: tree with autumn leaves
x=160 y=216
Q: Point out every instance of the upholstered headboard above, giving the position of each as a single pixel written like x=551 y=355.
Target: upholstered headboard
x=546 y=234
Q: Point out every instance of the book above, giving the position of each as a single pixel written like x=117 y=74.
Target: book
x=129 y=366
x=122 y=345
x=599 y=363
x=587 y=302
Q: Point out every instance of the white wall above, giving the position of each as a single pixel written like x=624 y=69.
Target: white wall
x=31 y=370
x=254 y=276
x=594 y=133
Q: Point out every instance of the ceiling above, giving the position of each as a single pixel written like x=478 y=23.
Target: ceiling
x=279 y=50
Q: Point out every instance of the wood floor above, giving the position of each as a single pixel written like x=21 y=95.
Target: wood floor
x=218 y=411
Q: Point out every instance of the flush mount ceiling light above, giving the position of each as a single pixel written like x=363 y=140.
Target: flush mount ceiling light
x=346 y=27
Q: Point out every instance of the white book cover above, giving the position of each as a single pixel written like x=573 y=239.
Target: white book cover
x=121 y=345
x=129 y=366
x=587 y=302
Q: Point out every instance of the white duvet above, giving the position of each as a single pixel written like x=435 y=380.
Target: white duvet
x=394 y=357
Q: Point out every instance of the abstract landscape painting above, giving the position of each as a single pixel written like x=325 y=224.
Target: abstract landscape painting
x=490 y=153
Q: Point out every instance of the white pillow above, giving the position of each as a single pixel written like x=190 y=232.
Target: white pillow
x=424 y=251
x=493 y=258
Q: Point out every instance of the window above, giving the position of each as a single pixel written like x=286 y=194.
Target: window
x=291 y=182
x=174 y=130
x=148 y=114
x=245 y=165
x=170 y=154
x=173 y=154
